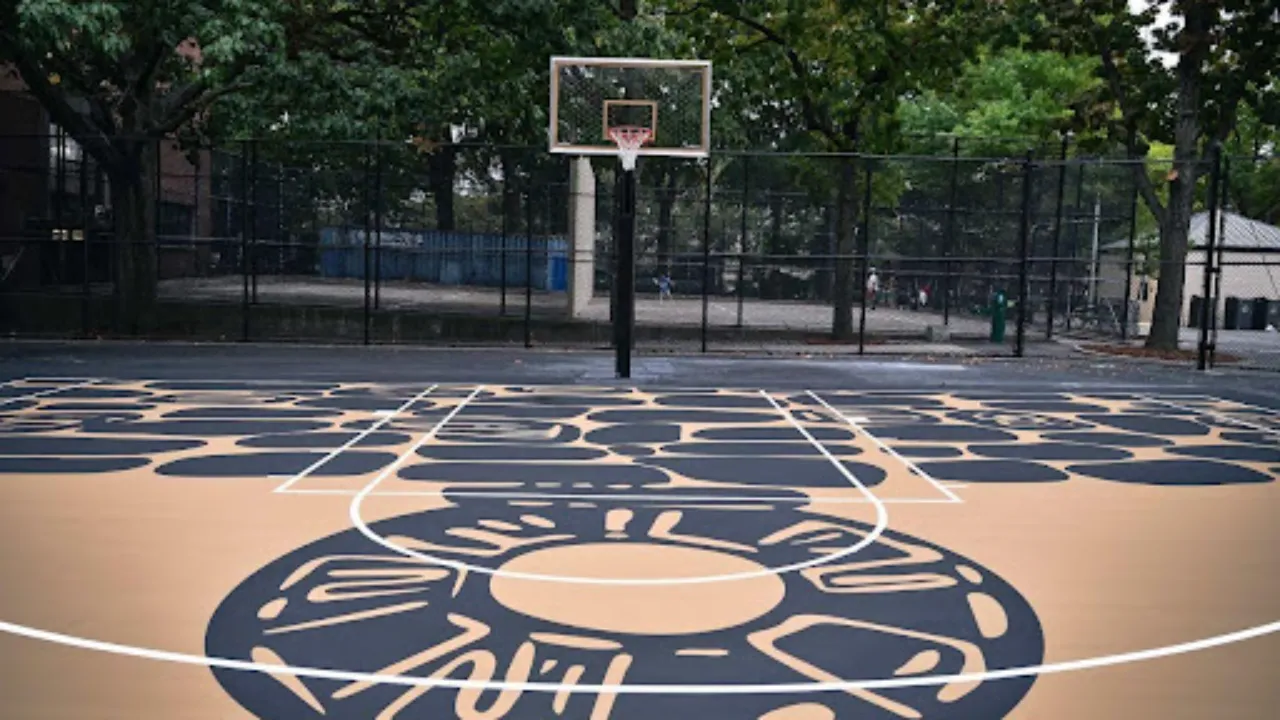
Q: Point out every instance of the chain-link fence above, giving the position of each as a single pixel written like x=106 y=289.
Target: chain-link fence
x=970 y=249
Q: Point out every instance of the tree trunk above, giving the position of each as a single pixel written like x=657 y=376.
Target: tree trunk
x=846 y=215
x=442 y=165
x=133 y=205
x=1176 y=222
x=666 y=203
x=1167 y=311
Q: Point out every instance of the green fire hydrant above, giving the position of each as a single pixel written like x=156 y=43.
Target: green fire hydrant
x=999 y=306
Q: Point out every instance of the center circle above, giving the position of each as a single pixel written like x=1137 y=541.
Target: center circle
x=651 y=609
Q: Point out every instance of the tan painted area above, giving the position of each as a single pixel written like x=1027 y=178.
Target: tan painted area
x=1030 y=427
x=638 y=609
x=800 y=711
x=139 y=558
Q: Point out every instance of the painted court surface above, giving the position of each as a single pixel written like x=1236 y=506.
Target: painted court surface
x=546 y=551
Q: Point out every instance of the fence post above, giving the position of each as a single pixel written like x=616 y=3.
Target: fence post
x=56 y=239
x=742 y=233
x=367 y=265
x=253 y=218
x=1075 y=239
x=282 y=248
x=706 y=249
x=244 y=240
x=60 y=180
x=1208 y=307
x=377 y=221
x=624 y=317
x=949 y=238
x=1057 y=238
x=528 y=266
x=1223 y=205
x=502 y=251
x=156 y=204
x=1024 y=241
x=1128 y=259
x=866 y=254
x=86 y=231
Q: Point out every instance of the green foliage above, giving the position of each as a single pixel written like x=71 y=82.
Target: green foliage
x=1011 y=94
x=1253 y=168
x=832 y=70
x=113 y=70
x=1184 y=82
x=301 y=77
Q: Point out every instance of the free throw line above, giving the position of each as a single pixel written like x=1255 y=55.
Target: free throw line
x=353 y=441
x=882 y=522
x=951 y=496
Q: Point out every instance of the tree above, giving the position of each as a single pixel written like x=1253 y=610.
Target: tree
x=1253 y=169
x=1223 y=58
x=837 y=70
x=1011 y=96
x=121 y=75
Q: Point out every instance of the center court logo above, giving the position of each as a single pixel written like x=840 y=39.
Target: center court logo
x=584 y=592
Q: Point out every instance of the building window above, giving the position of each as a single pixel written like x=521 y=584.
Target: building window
x=61 y=145
x=175 y=220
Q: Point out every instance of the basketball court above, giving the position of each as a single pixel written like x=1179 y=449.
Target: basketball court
x=216 y=533
x=277 y=548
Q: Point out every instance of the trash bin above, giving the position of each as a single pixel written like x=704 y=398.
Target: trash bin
x=999 y=306
x=1244 y=316
x=1259 y=314
x=1231 y=314
x=1193 y=313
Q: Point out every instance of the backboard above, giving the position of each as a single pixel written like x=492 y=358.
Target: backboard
x=590 y=95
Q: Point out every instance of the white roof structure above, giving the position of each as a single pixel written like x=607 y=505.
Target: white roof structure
x=1236 y=232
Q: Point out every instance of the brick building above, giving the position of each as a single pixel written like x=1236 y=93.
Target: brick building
x=52 y=194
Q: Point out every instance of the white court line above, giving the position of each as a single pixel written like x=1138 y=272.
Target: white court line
x=990 y=388
x=352 y=442
x=223 y=663
x=1218 y=413
x=882 y=522
x=51 y=391
x=851 y=422
x=498 y=495
x=641 y=689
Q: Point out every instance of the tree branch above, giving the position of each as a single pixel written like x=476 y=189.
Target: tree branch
x=679 y=12
x=1114 y=81
x=144 y=84
x=1148 y=192
x=812 y=115
x=743 y=50
x=179 y=115
x=93 y=138
x=1226 y=123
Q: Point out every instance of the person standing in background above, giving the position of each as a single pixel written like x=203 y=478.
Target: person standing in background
x=664 y=284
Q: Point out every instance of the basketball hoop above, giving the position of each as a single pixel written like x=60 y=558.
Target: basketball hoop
x=629 y=139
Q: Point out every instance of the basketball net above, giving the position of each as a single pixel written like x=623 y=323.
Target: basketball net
x=629 y=139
